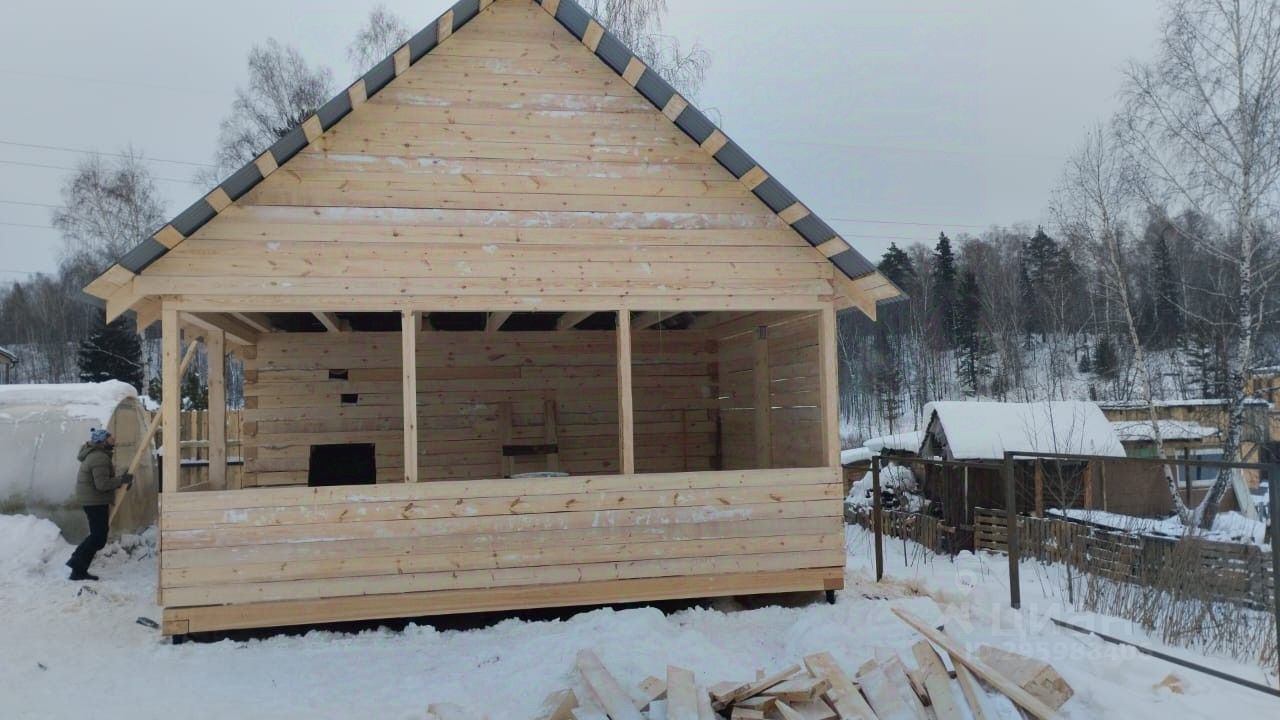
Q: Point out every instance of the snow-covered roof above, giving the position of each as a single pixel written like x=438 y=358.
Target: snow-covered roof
x=906 y=442
x=8 y=355
x=1141 y=430
x=986 y=430
x=856 y=455
x=88 y=401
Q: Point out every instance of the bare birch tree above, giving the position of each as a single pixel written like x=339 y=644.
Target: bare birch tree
x=282 y=91
x=1090 y=204
x=382 y=33
x=108 y=205
x=638 y=24
x=1203 y=124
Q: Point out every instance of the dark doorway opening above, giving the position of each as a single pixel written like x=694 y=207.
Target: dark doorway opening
x=351 y=464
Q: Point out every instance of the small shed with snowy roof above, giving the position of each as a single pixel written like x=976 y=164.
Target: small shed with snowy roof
x=7 y=360
x=510 y=247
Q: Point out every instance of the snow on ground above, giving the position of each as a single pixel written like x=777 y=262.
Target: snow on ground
x=1227 y=527
x=73 y=653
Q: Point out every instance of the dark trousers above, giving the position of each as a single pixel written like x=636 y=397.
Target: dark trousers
x=98 y=515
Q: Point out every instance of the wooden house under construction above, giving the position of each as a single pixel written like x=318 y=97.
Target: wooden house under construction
x=520 y=328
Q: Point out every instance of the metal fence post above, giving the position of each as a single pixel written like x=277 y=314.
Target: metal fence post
x=876 y=517
x=1011 y=530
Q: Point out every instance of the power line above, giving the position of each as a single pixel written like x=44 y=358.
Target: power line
x=69 y=169
x=63 y=148
x=22 y=272
x=30 y=204
x=29 y=225
x=904 y=222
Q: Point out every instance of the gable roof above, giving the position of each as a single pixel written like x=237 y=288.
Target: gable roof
x=867 y=281
x=986 y=430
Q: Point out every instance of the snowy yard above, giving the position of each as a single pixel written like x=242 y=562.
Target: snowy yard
x=68 y=653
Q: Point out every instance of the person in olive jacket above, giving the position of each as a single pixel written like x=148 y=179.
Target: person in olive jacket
x=96 y=484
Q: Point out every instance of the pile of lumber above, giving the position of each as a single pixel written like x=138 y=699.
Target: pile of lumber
x=883 y=688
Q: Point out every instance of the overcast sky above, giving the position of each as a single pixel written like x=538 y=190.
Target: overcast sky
x=919 y=115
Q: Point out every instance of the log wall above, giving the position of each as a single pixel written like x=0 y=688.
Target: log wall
x=466 y=382
x=795 y=431
x=279 y=556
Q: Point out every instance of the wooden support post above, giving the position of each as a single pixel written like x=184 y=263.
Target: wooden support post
x=215 y=344
x=505 y=437
x=877 y=516
x=1039 y=480
x=1011 y=530
x=761 y=400
x=830 y=386
x=551 y=431
x=171 y=399
x=409 y=322
x=626 y=415
x=1090 y=472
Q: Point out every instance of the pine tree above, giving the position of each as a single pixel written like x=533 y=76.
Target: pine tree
x=944 y=288
x=1166 y=320
x=897 y=266
x=972 y=345
x=111 y=352
x=195 y=396
x=1043 y=267
x=1106 y=364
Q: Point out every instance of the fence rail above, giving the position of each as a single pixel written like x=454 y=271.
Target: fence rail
x=193 y=435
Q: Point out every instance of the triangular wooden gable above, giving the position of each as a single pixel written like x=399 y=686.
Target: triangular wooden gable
x=517 y=155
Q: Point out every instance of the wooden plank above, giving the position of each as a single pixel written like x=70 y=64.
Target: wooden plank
x=329 y=320
x=558 y=705
x=449 y=711
x=761 y=399
x=844 y=695
x=593 y=34
x=444 y=26
x=942 y=698
x=974 y=695
x=626 y=403
x=794 y=213
x=758 y=687
x=832 y=247
x=171 y=394
x=682 y=701
x=494 y=320
x=635 y=69
x=571 y=319
x=606 y=690
x=410 y=321
x=830 y=387
x=215 y=351
x=1020 y=697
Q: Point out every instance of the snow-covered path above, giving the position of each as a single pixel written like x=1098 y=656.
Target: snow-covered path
x=67 y=654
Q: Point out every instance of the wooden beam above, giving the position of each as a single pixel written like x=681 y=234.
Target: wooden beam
x=494 y=321
x=626 y=405
x=571 y=319
x=646 y=320
x=329 y=321
x=829 y=383
x=761 y=399
x=1020 y=697
x=170 y=401
x=233 y=330
x=409 y=322
x=215 y=348
x=257 y=321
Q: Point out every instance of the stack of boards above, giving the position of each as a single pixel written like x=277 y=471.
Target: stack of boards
x=884 y=688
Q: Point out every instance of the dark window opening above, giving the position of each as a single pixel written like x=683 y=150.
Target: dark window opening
x=350 y=398
x=352 y=464
x=338 y=375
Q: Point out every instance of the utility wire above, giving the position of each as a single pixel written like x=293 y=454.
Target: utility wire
x=30 y=204
x=63 y=148
x=28 y=225
x=63 y=167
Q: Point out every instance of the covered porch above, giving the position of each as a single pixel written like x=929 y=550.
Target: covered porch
x=388 y=461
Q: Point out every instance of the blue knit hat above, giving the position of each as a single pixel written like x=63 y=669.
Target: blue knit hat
x=97 y=436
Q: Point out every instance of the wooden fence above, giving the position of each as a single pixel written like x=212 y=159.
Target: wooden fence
x=1237 y=573
x=925 y=530
x=194 y=435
